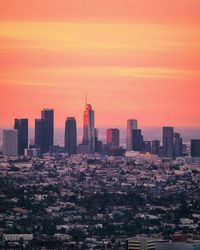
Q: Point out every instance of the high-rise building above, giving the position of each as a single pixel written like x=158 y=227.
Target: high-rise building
x=155 y=147
x=112 y=137
x=141 y=244
x=10 y=142
x=147 y=146
x=88 y=128
x=98 y=143
x=178 y=145
x=70 y=136
x=195 y=148
x=168 y=145
x=131 y=124
x=21 y=125
x=137 y=140
x=48 y=115
x=41 y=135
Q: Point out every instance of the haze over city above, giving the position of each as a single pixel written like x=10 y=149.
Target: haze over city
x=134 y=59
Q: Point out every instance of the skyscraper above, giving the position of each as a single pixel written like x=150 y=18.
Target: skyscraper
x=41 y=135
x=21 y=125
x=88 y=128
x=10 y=142
x=137 y=140
x=168 y=133
x=98 y=143
x=155 y=147
x=147 y=146
x=112 y=137
x=48 y=115
x=70 y=135
x=131 y=124
x=177 y=145
x=195 y=148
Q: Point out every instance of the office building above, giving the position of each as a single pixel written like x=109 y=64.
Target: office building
x=48 y=115
x=131 y=124
x=141 y=244
x=41 y=135
x=147 y=146
x=32 y=152
x=168 y=145
x=178 y=145
x=155 y=147
x=195 y=148
x=137 y=140
x=98 y=143
x=112 y=137
x=70 y=136
x=21 y=125
x=10 y=142
x=88 y=128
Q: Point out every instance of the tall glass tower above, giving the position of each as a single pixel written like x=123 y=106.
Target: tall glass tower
x=88 y=128
x=131 y=124
x=48 y=115
x=70 y=135
x=21 y=125
x=168 y=147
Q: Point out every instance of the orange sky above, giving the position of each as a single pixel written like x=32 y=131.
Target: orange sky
x=135 y=59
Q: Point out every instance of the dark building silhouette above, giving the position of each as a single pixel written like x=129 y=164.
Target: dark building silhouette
x=113 y=150
x=98 y=144
x=70 y=136
x=195 y=148
x=48 y=115
x=112 y=137
x=21 y=125
x=131 y=124
x=137 y=137
x=155 y=147
x=168 y=145
x=41 y=135
x=178 y=145
x=147 y=146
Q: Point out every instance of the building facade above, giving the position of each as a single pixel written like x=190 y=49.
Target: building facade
x=178 y=145
x=41 y=135
x=168 y=145
x=21 y=125
x=195 y=148
x=131 y=124
x=112 y=137
x=137 y=140
x=88 y=128
x=141 y=244
x=70 y=136
x=48 y=115
x=155 y=147
x=10 y=142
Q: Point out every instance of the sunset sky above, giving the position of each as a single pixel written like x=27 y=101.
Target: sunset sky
x=134 y=58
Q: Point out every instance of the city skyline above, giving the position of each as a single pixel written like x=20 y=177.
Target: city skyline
x=138 y=59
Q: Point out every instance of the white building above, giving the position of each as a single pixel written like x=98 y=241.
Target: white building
x=32 y=152
x=17 y=237
x=141 y=244
x=10 y=142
